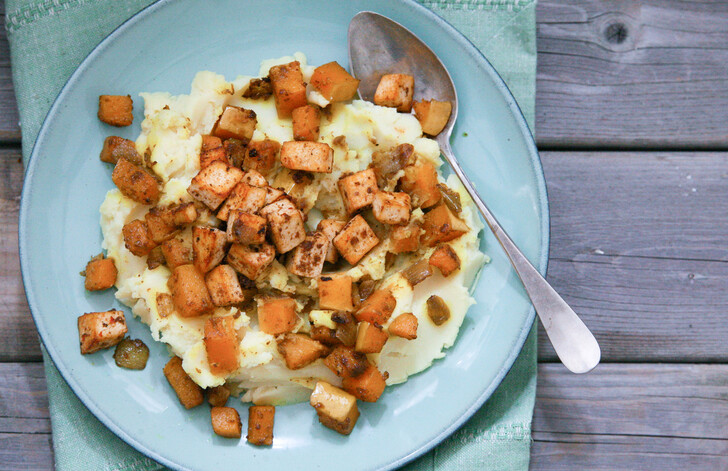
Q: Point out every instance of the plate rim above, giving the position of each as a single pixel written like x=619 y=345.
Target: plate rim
x=543 y=206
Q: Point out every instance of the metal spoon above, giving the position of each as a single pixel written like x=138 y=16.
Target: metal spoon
x=377 y=46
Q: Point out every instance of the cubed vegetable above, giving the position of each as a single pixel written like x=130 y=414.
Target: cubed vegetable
x=335 y=292
x=244 y=197
x=306 y=123
x=404 y=325
x=331 y=227
x=395 y=91
x=160 y=224
x=188 y=392
x=136 y=238
x=334 y=83
x=441 y=225
x=189 y=291
x=377 y=308
x=218 y=396
x=116 y=147
x=261 y=155
x=134 y=182
x=258 y=89
x=445 y=259
x=245 y=228
x=99 y=330
x=277 y=315
x=178 y=250
x=358 y=190
x=289 y=89
x=308 y=156
x=116 y=110
x=299 y=350
x=235 y=123
x=370 y=338
x=420 y=182
x=433 y=115
x=226 y=422
x=368 y=386
x=214 y=183
x=260 y=425
x=405 y=238
x=221 y=344
x=212 y=150
x=391 y=208
x=355 y=240
x=346 y=362
x=223 y=285
x=251 y=260
x=100 y=274
x=336 y=408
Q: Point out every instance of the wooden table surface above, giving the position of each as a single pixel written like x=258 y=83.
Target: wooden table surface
x=632 y=125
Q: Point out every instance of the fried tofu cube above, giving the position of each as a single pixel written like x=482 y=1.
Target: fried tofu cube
x=395 y=91
x=289 y=89
x=116 y=110
x=260 y=425
x=277 y=315
x=189 y=291
x=358 y=190
x=136 y=238
x=223 y=285
x=306 y=123
x=331 y=227
x=308 y=258
x=355 y=240
x=368 y=386
x=210 y=142
x=346 y=362
x=184 y=214
x=334 y=82
x=370 y=338
x=99 y=330
x=391 y=208
x=254 y=178
x=420 y=182
x=377 y=308
x=251 y=260
x=445 y=259
x=272 y=195
x=116 y=147
x=214 y=183
x=165 y=304
x=441 y=225
x=335 y=292
x=100 y=274
x=433 y=115
x=188 y=392
x=235 y=123
x=261 y=155
x=221 y=345
x=212 y=150
x=135 y=183
x=307 y=156
x=226 y=422
x=178 y=251
x=405 y=238
x=286 y=224
x=299 y=350
x=218 y=396
x=335 y=407
x=245 y=228
x=404 y=325
x=160 y=224
x=208 y=247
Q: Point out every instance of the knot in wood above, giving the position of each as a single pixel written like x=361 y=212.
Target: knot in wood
x=616 y=33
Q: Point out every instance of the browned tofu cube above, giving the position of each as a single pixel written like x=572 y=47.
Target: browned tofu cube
x=272 y=195
x=300 y=350
x=235 y=123
x=433 y=115
x=404 y=325
x=334 y=83
x=221 y=345
x=335 y=407
x=210 y=142
x=306 y=123
x=307 y=156
x=160 y=224
x=335 y=292
x=346 y=362
x=244 y=197
x=289 y=89
x=218 y=396
x=135 y=183
x=370 y=338
x=116 y=147
x=252 y=261
x=223 y=285
x=178 y=251
x=254 y=178
x=260 y=425
x=189 y=291
x=155 y=258
x=377 y=308
x=261 y=156
x=245 y=228
x=277 y=315
x=208 y=247
x=188 y=392
x=331 y=227
x=116 y=110
x=98 y=330
x=136 y=238
x=165 y=304
x=184 y=214
x=420 y=181
x=368 y=386
x=445 y=259
x=441 y=225
x=286 y=224
x=308 y=258
x=214 y=183
x=212 y=150
x=226 y=422
x=405 y=238
x=358 y=190
x=391 y=208
x=100 y=274
x=355 y=240
x=395 y=91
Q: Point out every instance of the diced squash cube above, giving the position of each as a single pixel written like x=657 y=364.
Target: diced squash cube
x=307 y=156
x=441 y=225
x=335 y=407
x=289 y=89
x=136 y=238
x=226 y=422
x=395 y=91
x=261 y=155
x=245 y=228
x=212 y=150
x=405 y=238
x=277 y=315
x=355 y=240
x=208 y=247
x=116 y=110
x=370 y=338
x=188 y=392
x=433 y=115
x=299 y=350
x=331 y=227
x=189 y=291
x=306 y=123
x=286 y=224
x=368 y=386
x=335 y=292
x=391 y=208
x=134 y=182
x=99 y=330
x=260 y=425
x=116 y=147
x=308 y=258
x=214 y=183
x=178 y=251
x=325 y=335
x=404 y=325
x=218 y=396
x=346 y=362
x=155 y=258
x=254 y=178
x=223 y=285
x=221 y=344
x=420 y=181
x=235 y=123
x=377 y=308
x=100 y=274
x=252 y=261
x=445 y=259
x=358 y=190
x=160 y=224
x=334 y=83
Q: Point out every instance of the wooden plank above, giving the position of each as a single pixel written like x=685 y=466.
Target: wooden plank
x=628 y=74
x=9 y=127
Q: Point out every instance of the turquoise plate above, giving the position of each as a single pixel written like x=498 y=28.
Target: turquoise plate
x=161 y=48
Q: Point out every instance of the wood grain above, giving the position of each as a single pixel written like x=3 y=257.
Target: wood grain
x=9 y=127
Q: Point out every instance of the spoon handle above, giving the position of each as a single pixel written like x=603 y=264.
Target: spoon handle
x=575 y=345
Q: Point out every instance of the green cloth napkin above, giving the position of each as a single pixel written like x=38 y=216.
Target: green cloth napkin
x=48 y=40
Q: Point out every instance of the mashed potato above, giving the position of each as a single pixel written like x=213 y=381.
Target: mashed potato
x=171 y=140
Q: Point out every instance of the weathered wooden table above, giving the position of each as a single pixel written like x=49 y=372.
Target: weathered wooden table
x=632 y=124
